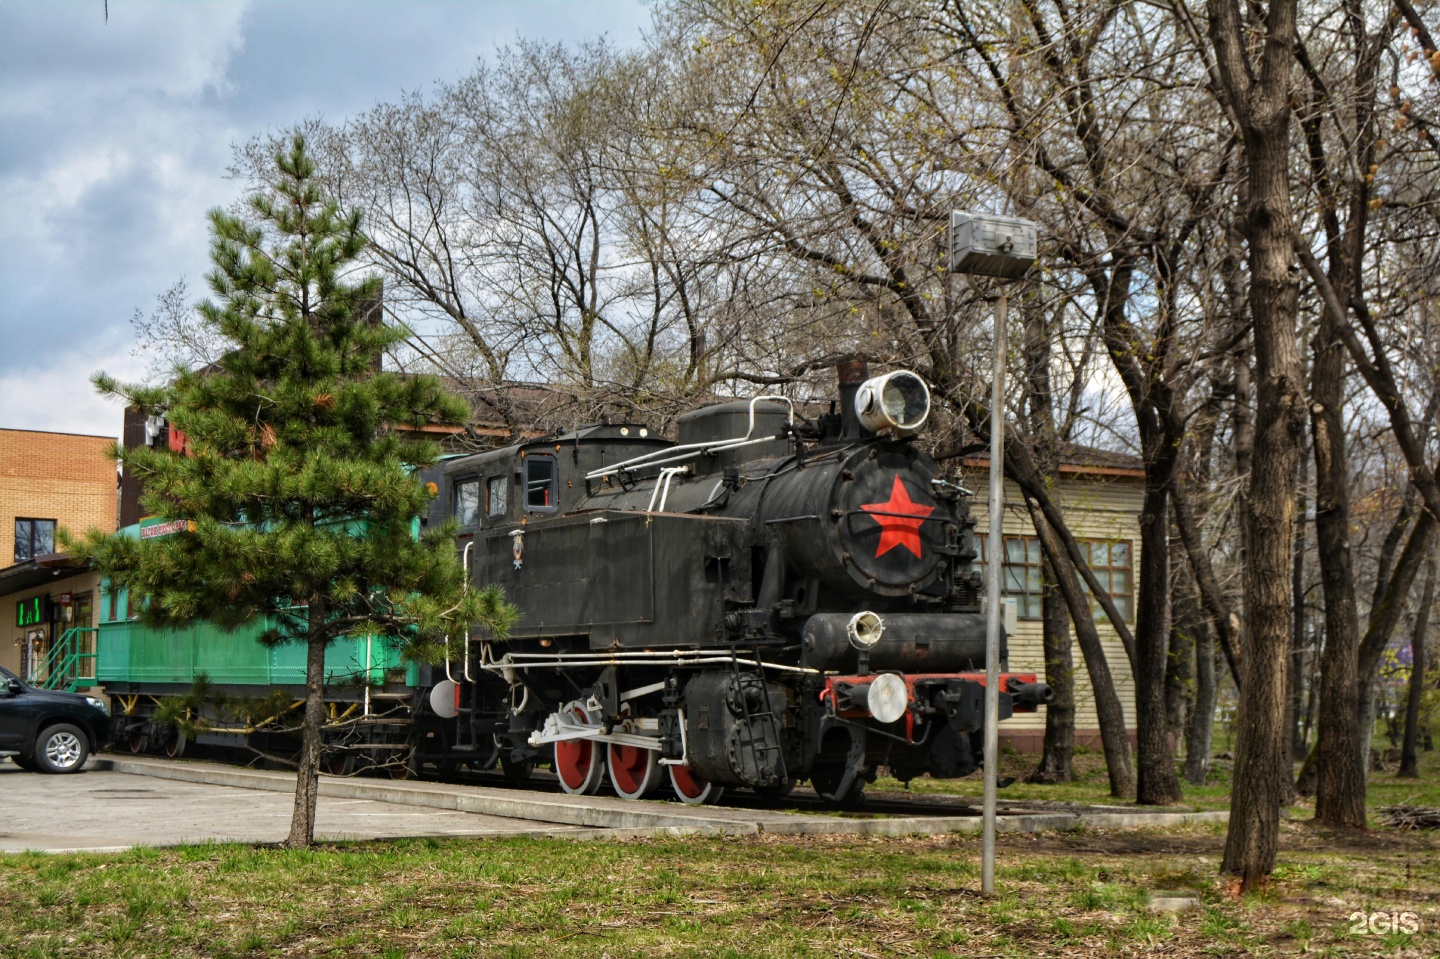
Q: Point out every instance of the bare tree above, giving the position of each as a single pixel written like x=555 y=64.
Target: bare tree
x=1254 y=78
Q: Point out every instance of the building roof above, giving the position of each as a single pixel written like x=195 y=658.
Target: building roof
x=1078 y=460
x=83 y=436
x=48 y=568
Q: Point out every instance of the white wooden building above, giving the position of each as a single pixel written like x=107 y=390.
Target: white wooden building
x=1102 y=495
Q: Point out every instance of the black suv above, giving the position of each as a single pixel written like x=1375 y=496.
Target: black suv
x=47 y=730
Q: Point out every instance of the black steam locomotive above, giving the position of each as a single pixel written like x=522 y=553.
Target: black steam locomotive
x=766 y=600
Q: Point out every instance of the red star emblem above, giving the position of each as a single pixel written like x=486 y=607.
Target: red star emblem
x=899 y=520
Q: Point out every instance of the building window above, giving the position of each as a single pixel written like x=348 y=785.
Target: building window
x=497 y=496
x=33 y=537
x=1023 y=581
x=1111 y=562
x=540 y=483
x=467 y=502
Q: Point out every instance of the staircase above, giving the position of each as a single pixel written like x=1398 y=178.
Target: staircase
x=70 y=664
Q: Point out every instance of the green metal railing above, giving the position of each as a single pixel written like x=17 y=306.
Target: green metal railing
x=70 y=664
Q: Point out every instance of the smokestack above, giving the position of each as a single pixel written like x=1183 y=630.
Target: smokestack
x=852 y=374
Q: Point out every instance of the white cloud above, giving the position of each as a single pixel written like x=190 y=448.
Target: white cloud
x=58 y=397
x=115 y=138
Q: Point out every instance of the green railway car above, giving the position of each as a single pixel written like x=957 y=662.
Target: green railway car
x=370 y=688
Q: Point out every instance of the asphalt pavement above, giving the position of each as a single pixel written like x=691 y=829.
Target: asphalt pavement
x=122 y=801
x=98 y=809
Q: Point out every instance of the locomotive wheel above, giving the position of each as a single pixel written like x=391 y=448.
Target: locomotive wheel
x=633 y=771
x=838 y=785
x=138 y=742
x=692 y=789
x=580 y=763
x=776 y=792
x=516 y=773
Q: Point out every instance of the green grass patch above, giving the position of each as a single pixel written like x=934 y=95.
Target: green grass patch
x=1061 y=894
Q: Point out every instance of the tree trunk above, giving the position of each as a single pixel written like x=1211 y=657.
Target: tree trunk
x=1367 y=726
x=1297 y=632
x=1340 y=773
x=1108 y=709
x=1202 y=715
x=1260 y=95
x=1223 y=621
x=1180 y=667
x=307 y=771
x=1409 y=762
x=1157 y=783
x=1057 y=758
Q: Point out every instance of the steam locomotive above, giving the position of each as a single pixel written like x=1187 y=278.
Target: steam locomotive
x=765 y=600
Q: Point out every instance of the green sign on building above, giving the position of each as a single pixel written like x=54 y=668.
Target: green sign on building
x=30 y=612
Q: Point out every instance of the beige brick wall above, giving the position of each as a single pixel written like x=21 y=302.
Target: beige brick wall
x=57 y=476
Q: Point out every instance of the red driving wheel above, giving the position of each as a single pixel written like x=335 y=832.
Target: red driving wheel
x=692 y=788
x=579 y=763
x=634 y=771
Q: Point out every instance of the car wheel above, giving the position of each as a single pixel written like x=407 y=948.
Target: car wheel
x=61 y=748
x=26 y=764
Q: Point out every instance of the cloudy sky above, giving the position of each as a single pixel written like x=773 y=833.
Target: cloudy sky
x=114 y=139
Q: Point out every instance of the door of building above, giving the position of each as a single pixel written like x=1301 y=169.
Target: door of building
x=83 y=617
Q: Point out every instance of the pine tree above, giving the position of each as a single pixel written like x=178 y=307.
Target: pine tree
x=300 y=490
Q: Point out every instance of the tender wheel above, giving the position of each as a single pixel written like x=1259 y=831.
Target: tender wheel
x=692 y=789
x=174 y=743
x=580 y=763
x=338 y=763
x=634 y=771
x=405 y=765
x=61 y=748
x=138 y=741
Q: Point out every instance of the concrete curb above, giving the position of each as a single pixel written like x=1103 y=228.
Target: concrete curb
x=611 y=816
x=607 y=817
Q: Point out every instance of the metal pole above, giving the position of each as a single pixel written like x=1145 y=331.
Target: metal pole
x=994 y=562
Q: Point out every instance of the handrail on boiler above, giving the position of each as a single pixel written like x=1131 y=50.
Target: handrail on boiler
x=689 y=450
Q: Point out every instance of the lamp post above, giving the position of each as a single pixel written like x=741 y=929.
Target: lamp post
x=1005 y=248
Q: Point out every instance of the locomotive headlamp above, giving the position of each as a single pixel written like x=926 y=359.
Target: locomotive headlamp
x=864 y=630
x=888 y=698
x=898 y=401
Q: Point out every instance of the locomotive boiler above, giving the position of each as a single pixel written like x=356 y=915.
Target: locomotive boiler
x=765 y=600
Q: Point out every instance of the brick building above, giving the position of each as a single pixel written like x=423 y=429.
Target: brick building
x=48 y=481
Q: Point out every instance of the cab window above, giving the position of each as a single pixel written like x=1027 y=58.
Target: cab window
x=466 y=501
x=497 y=496
x=540 y=483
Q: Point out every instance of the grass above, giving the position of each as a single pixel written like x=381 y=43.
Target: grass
x=1084 y=893
x=1061 y=895
x=1092 y=787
